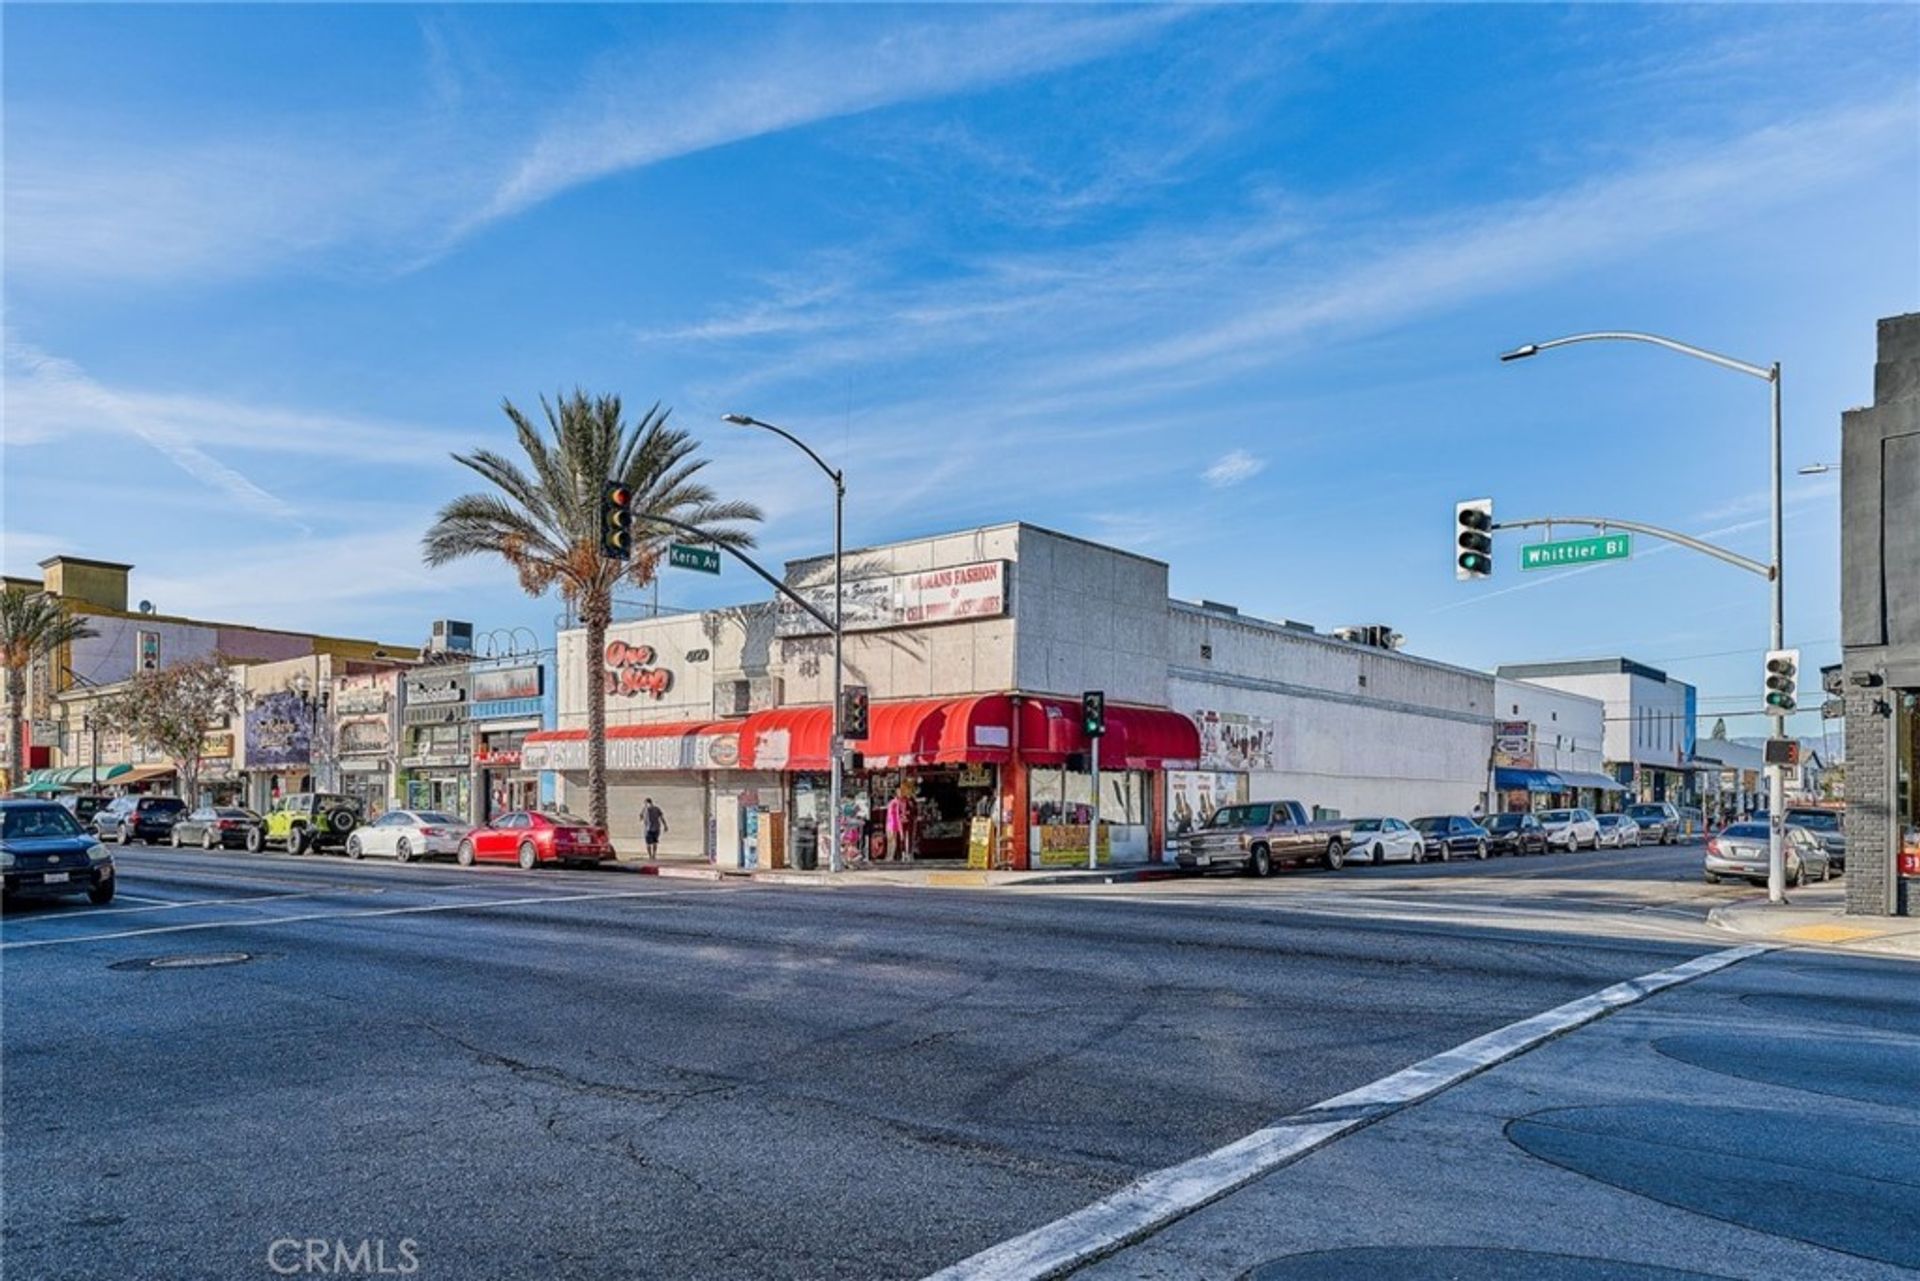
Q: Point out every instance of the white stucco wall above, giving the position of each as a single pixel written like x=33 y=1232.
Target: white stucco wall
x=1358 y=730
x=1645 y=718
x=1569 y=729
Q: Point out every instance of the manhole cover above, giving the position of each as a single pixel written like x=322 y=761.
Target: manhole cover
x=186 y=961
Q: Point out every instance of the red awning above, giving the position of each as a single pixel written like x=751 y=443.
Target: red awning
x=1136 y=737
x=936 y=731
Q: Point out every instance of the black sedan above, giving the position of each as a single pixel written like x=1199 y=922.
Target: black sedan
x=1516 y=834
x=46 y=852
x=1449 y=834
x=221 y=827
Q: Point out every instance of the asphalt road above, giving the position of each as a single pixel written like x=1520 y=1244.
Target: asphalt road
x=579 y=1074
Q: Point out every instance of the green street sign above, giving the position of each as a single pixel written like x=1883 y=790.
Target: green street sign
x=1576 y=551
x=704 y=559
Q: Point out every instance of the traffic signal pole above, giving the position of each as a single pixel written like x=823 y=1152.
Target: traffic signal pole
x=1093 y=829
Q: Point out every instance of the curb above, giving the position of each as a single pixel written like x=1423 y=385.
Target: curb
x=930 y=878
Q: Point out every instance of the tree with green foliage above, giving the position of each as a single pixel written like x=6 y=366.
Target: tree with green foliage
x=172 y=710
x=542 y=516
x=33 y=626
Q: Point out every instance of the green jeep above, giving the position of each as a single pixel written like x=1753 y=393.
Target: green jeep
x=306 y=821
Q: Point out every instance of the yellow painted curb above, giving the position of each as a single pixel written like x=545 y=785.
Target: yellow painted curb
x=956 y=878
x=1830 y=933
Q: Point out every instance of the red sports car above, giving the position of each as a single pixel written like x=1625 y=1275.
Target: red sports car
x=533 y=837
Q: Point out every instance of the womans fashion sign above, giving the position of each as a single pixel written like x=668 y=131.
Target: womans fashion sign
x=279 y=731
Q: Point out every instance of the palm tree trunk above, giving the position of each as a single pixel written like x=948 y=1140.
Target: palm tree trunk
x=16 y=698
x=596 y=614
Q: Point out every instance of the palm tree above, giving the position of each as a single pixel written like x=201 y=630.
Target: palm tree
x=544 y=520
x=32 y=625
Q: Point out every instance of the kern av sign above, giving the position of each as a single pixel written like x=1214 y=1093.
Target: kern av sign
x=1576 y=551
x=954 y=594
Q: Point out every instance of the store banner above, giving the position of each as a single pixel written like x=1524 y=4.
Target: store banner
x=279 y=730
x=1513 y=744
x=504 y=683
x=1065 y=844
x=954 y=594
x=1232 y=741
x=666 y=753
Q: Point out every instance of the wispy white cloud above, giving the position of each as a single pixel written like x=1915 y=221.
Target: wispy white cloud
x=642 y=107
x=1233 y=467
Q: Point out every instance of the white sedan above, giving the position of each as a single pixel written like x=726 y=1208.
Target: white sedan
x=1385 y=840
x=1618 y=831
x=1571 y=829
x=408 y=834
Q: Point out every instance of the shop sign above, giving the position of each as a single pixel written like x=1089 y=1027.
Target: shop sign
x=506 y=682
x=980 y=836
x=1513 y=744
x=631 y=671
x=364 y=736
x=1064 y=844
x=433 y=760
x=217 y=745
x=975 y=776
x=377 y=765
x=499 y=757
x=665 y=754
x=1231 y=741
x=955 y=594
x=279 y=731
x=359 y=700
x=436 y=690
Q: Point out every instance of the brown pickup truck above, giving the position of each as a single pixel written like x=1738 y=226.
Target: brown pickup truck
x=1262 y=834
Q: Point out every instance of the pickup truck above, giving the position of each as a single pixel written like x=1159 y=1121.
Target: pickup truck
x=1259 y=835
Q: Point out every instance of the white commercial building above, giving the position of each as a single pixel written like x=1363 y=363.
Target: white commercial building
x=1648 y=742
x=974 y=649
x=1549 y=747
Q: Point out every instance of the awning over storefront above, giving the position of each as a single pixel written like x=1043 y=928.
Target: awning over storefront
x=68 y=777
x=1510 y=779
x=145 y=773
x=977 y=730
x=1583 y=778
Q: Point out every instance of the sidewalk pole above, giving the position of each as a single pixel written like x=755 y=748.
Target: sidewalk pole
x=1776 y=774
x=1093 y=828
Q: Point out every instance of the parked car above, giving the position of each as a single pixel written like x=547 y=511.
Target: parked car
x=139 y=818
x=1259 y=836
x=45 y=851
x=1448 y=834
x=215 y=828
x=1740 y=851
x=533 y=837
x=1571 y=829
x=1659 y=822
x=1828 y=827
x=84 y=805
x=1515 y=834
x=1618 y=831
x=1385 y=840
x=409 y=834
x=307 y=821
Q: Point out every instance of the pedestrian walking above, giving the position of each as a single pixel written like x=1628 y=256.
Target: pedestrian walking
x=655 y=824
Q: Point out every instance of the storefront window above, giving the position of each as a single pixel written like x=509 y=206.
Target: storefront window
x=1066 y=796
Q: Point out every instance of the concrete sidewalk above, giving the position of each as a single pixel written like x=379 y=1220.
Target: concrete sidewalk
x=918 y=875
x=1817 y=916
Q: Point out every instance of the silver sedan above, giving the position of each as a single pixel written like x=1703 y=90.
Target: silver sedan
x=409 y=834
x=1740 y=852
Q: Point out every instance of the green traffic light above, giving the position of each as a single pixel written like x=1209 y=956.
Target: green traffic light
x=1781 y=701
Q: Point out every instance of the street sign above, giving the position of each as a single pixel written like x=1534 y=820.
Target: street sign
x=1576 y=551
x=1833 y=709
x=704 y=559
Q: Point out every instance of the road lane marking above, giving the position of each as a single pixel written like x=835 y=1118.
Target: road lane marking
x=336 y=916
x=169 y=905
x=1154 y=1201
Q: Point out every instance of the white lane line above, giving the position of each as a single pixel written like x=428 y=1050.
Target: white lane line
x=168 y=904
x=1150 y=1203
x=262 y=922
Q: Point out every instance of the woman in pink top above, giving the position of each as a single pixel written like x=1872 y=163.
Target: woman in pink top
x=897 y=826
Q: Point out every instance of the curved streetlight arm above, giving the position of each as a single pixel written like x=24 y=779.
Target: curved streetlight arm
x=748 y=420
x=1671 y=344
x=1651 y=531
x=701 y=535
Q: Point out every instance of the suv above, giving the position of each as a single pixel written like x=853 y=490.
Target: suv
x=1659 y=822
x=1828 y=827
x=84 y=806
x=306 y=821
x=139 y=818
x=44 y=851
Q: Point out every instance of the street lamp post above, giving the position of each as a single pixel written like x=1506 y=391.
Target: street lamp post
x=1770 y=374
x=835 y=859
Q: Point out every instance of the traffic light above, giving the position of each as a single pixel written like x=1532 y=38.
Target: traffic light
x=1473 y=539
x=1093 y=713
x=616 y=520
x=854 y=710
x=1783 y=680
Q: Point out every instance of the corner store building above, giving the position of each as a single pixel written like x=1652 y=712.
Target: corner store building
x=975 y=647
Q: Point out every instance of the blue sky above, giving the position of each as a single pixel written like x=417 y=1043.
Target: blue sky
x=1222 y=286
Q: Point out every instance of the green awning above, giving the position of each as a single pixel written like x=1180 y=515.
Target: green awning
x=40 y=787
x=82 y=775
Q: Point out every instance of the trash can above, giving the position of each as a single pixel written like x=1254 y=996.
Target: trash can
x=806 y=848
